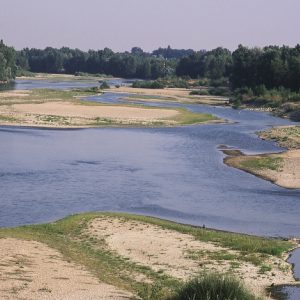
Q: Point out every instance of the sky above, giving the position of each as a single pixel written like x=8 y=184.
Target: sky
x=149 y=24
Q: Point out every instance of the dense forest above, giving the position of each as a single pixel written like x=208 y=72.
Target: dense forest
x=270 y=66
x=7 y=63
x=134 y=64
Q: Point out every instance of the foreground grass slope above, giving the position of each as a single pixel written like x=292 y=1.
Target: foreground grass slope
x=81 y=239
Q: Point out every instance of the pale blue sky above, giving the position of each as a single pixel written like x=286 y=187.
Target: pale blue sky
x=122 y=24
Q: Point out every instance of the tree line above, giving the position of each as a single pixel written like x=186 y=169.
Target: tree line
x=7 y=63
x=271 y=66
x=134 y=64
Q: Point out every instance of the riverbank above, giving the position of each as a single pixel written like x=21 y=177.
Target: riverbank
x=283 y=168
x=65 y=109
x=131 y=256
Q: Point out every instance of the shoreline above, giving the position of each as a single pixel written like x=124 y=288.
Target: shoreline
x=272 y=175
x=282 y=168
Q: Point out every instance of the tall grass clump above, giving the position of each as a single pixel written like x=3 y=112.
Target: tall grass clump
x=213 y=286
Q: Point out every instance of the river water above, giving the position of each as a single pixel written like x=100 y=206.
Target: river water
x=172 y=173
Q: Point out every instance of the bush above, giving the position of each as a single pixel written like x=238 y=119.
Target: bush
x=213 y=287
x=148 y=85
x=219 y=82
x=200 y=92
x=295 y=116
x=104 y=85
x=220 y=91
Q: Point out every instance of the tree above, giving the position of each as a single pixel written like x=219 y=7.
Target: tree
x=7 y=63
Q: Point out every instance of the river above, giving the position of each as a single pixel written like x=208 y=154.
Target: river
x=171 y=173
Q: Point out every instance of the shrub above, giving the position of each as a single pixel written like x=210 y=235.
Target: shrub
x=213 y=287
x=148 y=85
x=200 y=92
x=220 y=91
x=104 y=85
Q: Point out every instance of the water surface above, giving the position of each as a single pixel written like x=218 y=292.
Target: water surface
x=173 y=173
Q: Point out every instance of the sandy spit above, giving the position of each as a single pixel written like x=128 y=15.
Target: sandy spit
x=287 y=176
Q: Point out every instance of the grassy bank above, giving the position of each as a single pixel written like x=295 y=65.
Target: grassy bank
x=70 y=237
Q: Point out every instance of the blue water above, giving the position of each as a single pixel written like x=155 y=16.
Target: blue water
x=173 y=173
x=295 y=260
x=22 y=84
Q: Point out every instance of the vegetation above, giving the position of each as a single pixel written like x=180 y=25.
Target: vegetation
x=288 y=137
x=69 y=236
x=266 y=77
x=259 y=163
x=213 y=286
x=7 y=63
x=104 y=85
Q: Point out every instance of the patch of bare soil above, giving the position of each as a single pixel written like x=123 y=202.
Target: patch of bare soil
x=32 y=270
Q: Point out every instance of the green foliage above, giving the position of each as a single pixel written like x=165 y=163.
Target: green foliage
x=220 y=91
x=148 y=84
x=137 y=64
x=271 y=66
x=104 y=85
x=200 y=92
x=7 y=63
x=213 y=286
x=214 y=64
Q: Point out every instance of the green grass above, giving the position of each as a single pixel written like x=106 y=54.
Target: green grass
x=288 y=137
x=68 y=237
x=256 y=259
x=260 y=163
x=187 y=117
x=7 y=118
x=264 y=269
x=213 y=287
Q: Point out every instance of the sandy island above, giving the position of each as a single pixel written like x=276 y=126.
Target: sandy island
x=64 y=109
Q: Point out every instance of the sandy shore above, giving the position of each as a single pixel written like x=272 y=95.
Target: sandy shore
x=283 y=168
x=32 y=270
